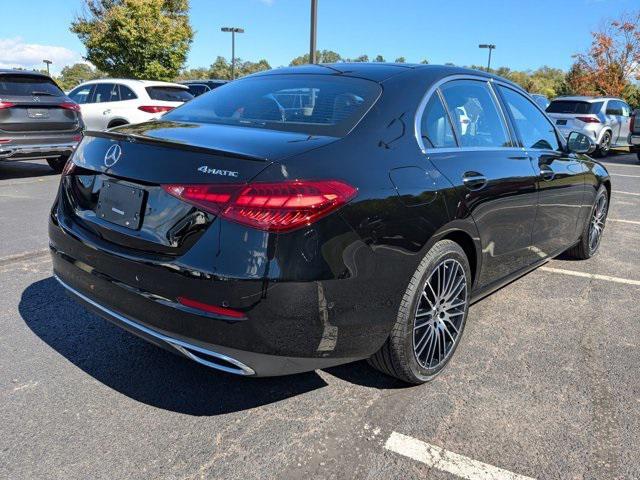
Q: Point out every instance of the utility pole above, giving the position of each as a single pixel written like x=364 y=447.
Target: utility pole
x=490 y=46
x=47 y=62
x=314 y=28
x=233 y=31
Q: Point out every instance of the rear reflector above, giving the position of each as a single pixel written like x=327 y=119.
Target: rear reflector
x=6 y=105
x=70 y=106
x=205 y=307
x=274 y=207
x=588 y=119
x=155 y=108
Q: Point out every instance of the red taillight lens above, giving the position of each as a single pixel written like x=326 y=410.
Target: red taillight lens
x=70 y=106
x=274 y=207
x=6 y=105
x=588 y=119
x=205 y=307
x=155 y=108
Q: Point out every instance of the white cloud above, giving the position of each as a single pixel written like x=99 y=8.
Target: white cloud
x=14 y=52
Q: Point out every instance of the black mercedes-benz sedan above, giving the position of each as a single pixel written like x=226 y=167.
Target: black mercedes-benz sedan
x=311 y=216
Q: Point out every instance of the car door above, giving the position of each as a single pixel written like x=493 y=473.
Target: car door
x=495 y=181
x=613 y=112
x=560 y=176
x=105 y=98
x=625 y=124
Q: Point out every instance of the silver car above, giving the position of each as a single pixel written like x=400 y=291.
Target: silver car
x=606 y=120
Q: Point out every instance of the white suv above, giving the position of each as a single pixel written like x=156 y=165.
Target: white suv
x=605 y=120
x=112 y=102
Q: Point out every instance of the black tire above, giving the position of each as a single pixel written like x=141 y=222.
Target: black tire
x=585 y=249
x=605 y=145
x=397 y=356
x=57 y=164
x=638 y=155
x=117 y=123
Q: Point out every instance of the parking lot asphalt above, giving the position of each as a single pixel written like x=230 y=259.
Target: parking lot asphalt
x=543 y=385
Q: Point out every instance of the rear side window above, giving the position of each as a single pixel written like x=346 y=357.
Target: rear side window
x=534 y=129
x=435 y=126
x=30 y=85
x=169 y=94
x=82 y=94
x=475 y=114
x=311 y=104
x=106 y=92
x=126 y=93
x=573 y=107
x=197 y=89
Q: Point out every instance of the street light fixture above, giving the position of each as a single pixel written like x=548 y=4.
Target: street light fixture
x=233 y=31
x=47 y=62
x=490 y=46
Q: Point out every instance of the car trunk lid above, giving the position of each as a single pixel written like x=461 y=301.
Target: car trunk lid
x=22 y=114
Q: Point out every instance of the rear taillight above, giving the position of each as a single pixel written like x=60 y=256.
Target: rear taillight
x=274 y=207
x=70 y=106
x=6 y=105
x=155 y=108
x=588 y=119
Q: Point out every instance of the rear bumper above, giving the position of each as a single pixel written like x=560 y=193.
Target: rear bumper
x=32 y=148
x=292 y=325
x=634 y=140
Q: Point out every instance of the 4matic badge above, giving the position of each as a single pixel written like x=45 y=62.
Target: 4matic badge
x=217 y=171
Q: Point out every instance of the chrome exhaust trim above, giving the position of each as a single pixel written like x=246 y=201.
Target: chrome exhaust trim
x=193 y=352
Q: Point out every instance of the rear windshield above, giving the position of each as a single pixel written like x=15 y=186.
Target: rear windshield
x=572 y=106
x=169 y=94
x=28 y=85
x=311 y=104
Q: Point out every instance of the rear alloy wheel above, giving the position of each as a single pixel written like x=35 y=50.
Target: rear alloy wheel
x=605 y=145
x=592 y=232
x=57 y=164
x=431 y=317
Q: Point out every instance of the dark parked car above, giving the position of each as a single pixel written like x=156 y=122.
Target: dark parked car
x=260 y=240
x=37 y=120
x=634 y=133
x=198 y=87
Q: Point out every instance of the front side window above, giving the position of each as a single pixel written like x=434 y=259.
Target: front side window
x=476 y=118
x=533 y=127
x=312 y=104
x=435 y=128
x=82 y=94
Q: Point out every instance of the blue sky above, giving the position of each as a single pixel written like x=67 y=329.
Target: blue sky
x=528 y=34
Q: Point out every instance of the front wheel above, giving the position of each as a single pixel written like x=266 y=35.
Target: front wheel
x=589 y=242
x=431 y=317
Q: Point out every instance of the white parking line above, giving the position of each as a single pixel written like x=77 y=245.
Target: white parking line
x=594 y=276
x=626 y=193
x=623 y=175
x=446 y=461
x=620 y=165
x=632 y=222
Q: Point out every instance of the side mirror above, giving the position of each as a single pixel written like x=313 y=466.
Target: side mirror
x=580 y=143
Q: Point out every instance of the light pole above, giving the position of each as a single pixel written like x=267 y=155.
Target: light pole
x=313 y=32
x=47 y=62
x=233 y=31
x=490 y=46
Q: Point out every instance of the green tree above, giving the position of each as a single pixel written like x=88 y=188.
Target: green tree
x=379 y=58
x=401 y=60
x=425 y=62
x=75 y=74
x=323 y=56
x=136 y=38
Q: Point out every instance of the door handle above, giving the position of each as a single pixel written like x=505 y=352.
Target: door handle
x=547 y=173
x=474 y=180
x=106 y=112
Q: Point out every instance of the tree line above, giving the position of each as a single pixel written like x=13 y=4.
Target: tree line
x=151 y=39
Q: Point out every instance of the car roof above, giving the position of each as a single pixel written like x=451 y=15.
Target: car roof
x=380 y=72
x=584 y=98
x=128 y=81
x=215 y=80
x=22 y=72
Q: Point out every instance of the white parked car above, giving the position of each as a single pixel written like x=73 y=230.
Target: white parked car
x=112 y=102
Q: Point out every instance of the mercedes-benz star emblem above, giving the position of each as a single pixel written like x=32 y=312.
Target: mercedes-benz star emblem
x=113 y=155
